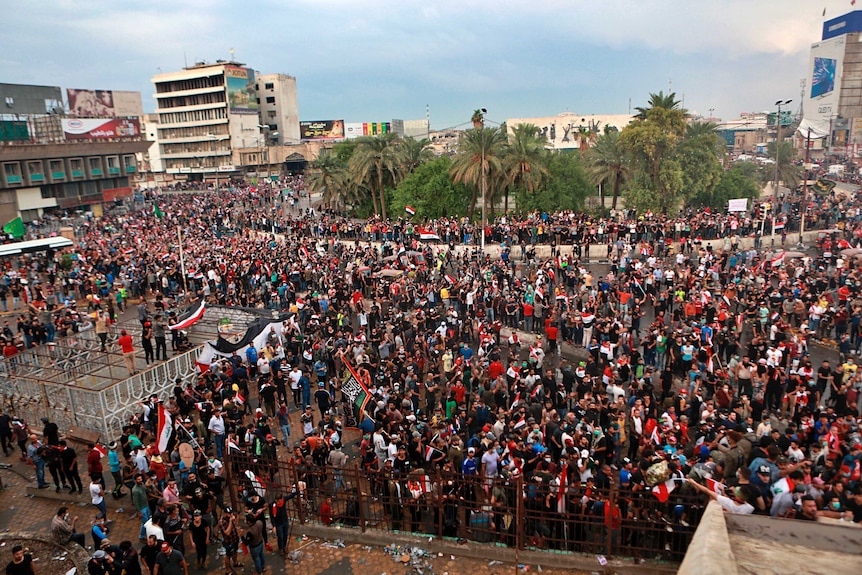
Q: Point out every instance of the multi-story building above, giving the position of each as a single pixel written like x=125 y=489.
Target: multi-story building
x=51 y=161
x=204 y=112
x=279 y=108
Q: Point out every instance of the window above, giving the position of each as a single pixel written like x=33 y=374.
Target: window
x=271 y=114
x=10 y=102
x=270 y=99
x=28 y=216
x=269 y=86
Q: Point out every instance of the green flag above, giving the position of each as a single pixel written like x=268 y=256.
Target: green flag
x=15 y=228
x=157 y=211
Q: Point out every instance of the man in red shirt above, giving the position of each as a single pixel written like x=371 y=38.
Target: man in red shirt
x=551 y=332
x=94 y=463
x=528 y=317
x=128 y=349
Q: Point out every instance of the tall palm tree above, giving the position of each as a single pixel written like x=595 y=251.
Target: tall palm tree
x=376 y=162
x=607 y=163
x=328 y=176
x=414 y=153
x=524 y=160
x=787 y=171
x=661 y=100
x=478 y=118
x=480 y=152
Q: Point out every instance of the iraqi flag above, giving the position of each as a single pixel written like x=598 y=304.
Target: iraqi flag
x=778 y=260
x=163 y=434
x=190 y=320
x=232 y=446
x=783 y=485
x=663 y=490
x=256 y=482
x=429 y=452
x=715 y=486
x=428 y=235
x=450 y=279
x=101 y=449
x=540 y=294
x=561 y=492
x=303 y=251
x=410 y=210
x=520 y=423
x=239 y=399
x=517 y=401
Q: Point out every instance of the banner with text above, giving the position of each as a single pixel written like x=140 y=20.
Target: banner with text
x=101 y=128
x=321 y=130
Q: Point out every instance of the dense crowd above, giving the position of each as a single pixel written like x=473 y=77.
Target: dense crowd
x=677 y=360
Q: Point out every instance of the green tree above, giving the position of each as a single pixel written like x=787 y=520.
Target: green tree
x=700 y=154
x=651 y=144
x=661 y=100
x=524 y=161
x=480 y=152
x=788 y=172
x=737 y=182
x=607 y=164
x=414 y=153
x=566 y=186
x=375 y=162
x=329 y=177
x=343 y=151
x=478 y=119
x=430 y=191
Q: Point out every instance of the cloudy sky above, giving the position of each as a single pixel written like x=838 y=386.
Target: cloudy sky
x=373 y=60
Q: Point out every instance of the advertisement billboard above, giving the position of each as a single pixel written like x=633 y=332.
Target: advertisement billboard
x=359 y=129
x=101 y=128
x=824 y=80
x=11 y=131
x=241 y=96
x=322 y=130
x=103 y=103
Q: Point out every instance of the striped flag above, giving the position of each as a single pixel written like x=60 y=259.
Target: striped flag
x=778 y=260
x=101 y=449
x=231 y=445
x=783 y=485
x=429 y=452
x=561 y=492
x=239 y=400
x=410 y=210
x=450 y=279
x=426 y=234
x=256 y=482
x=303 y=251
x=520 y=423
x=663 y=490
x=715 y=486
x=190 y=320
x=517 y=400
x=165 y=429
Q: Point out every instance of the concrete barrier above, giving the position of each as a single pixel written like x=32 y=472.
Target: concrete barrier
x=709 y=552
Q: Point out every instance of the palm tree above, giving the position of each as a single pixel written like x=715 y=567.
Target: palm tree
x=480 y=152
x=524 y=160
x=414 y=153
x=607 y=163
x=478 y=118
x=788 y=172
x=660 y=100
x=376 y=162
x=328 y=177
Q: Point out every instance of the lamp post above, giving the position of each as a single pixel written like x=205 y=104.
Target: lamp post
x=484 y=182
x=216 y=138
x=802 y=205
x=779 y=103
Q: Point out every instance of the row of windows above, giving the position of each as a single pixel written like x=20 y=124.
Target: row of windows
x=89 y=188
x=193 y=147
x=208 y=132
x=190 y=84
x=194 y=100
x=194 y=116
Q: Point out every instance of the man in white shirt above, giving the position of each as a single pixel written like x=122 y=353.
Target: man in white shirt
x=217 y=428
x=735 y=504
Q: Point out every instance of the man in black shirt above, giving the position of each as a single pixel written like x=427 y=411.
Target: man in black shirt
x=51 y=432
x=69 y=459
x=170 y=562
x=148 y=554
x=21 y=564
x=5 y=432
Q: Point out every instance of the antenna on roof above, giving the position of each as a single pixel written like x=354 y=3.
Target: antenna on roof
x=231 y=54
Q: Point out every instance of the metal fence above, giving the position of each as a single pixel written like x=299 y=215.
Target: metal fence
x=513 y=513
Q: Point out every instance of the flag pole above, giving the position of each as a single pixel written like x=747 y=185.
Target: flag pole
x=182 y=259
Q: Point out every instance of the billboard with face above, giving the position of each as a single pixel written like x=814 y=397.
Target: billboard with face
x=322 y=130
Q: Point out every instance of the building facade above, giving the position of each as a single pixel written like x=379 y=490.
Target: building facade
x=51 y=161
x=568 y=131
x=279 y=107
x=204 y=112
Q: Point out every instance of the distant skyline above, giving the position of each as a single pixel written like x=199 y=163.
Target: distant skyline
x=371 y=60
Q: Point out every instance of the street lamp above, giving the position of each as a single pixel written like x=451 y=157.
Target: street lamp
x=484 y=183
x=779 y=103
x=216 y=138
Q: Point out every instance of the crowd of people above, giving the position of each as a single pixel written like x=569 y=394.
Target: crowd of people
x=676 y=367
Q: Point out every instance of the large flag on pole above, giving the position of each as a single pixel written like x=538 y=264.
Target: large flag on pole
x=15 y=228
x=427 y=235
x=157 y=211
x=355 y=394
x=163 y=435
x=190 y=320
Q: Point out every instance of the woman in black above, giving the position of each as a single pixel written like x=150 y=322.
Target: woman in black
x=147 y=341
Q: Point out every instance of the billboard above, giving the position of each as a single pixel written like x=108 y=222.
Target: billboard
x=103 y=103
x=322 y=130
x=101 y=128
x=359 y=129
x=241 y=95
x=824 y=81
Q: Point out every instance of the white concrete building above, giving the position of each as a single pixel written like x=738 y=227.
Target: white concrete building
x=279 y=107
x=562 y=131
x=204 y=112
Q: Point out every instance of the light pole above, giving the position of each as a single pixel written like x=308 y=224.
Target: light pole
x=217 y=139
x=484 y=183
x=772 y=210
x=803 y=207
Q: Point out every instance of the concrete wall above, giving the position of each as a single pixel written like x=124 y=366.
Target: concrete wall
x=709 y=552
